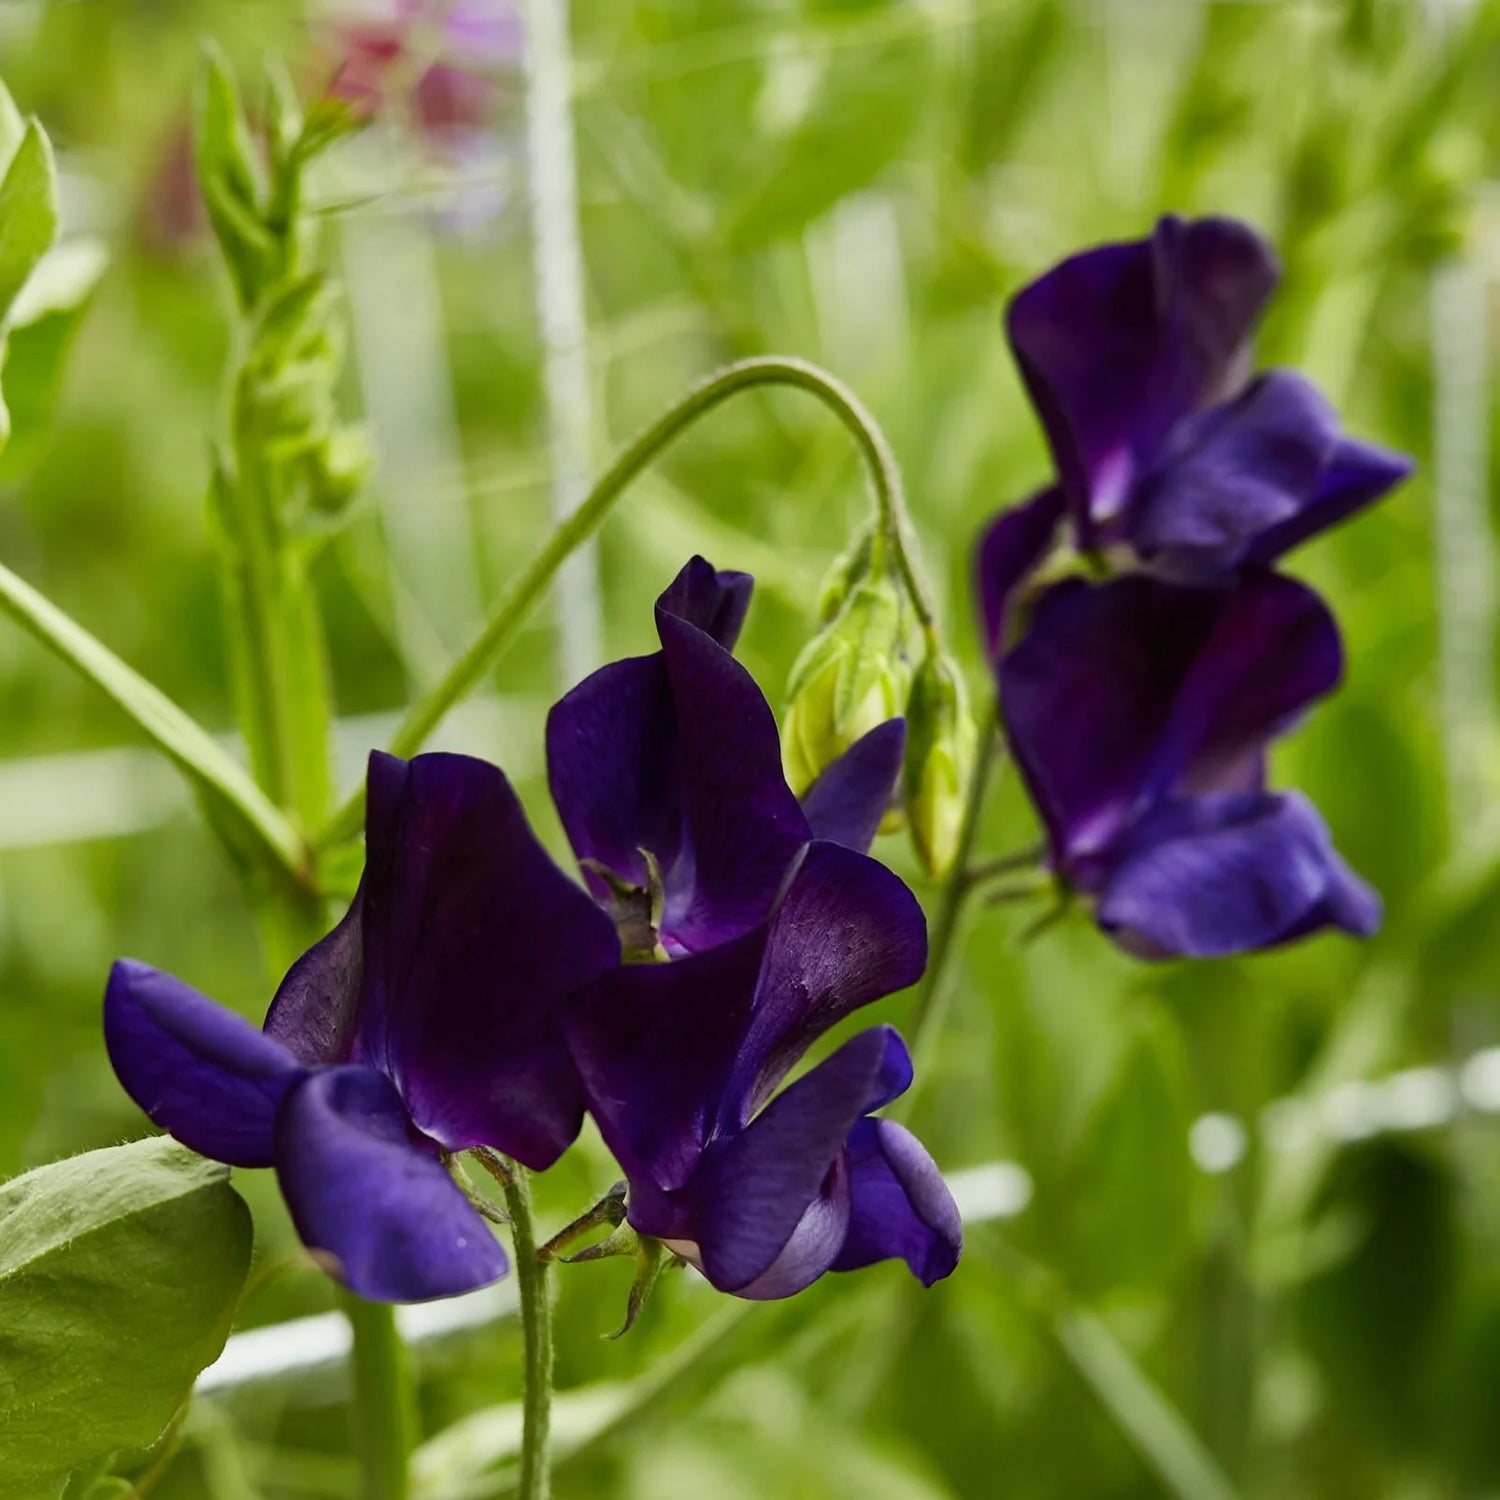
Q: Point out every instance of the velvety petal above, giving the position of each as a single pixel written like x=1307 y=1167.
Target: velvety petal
x=202 y=1073
x=1209 y=876
x=473 y=940
x=654 y=1045
x=755 y=1188
x=847 y=802
x=1013 y=544
x=1274 y=649
x=1127 y=690
x=370 y=1196
x=900 y=1206
x=847 y=933
x=716 y=602
x=1088 y=692
x=1236 y=473
x=1119 y=344
x=742 y=827
x=612 y=769
x=315 y=1014
x=1358 y=474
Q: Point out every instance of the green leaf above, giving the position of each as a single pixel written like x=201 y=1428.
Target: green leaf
x=12 y=128
x=1126 y=1205
x=62 y=280
x=28 y=213
x=238 y=809
x=119 y=1274
x=231 y=180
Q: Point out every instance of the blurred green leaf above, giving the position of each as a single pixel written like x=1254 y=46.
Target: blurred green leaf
x=238 y=808
x=119 y=1274
x=65 y=277
x=1126 y=1201
x=28 y=214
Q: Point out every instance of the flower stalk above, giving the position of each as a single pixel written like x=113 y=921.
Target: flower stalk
x=533 y=1274
x=384 y=1409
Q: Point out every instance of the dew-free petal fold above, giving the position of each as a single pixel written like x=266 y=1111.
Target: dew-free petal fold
x=742 y=827
x=315 y=1014
x=754 y=1190
x=1210 y=876
x=473 y=941
x=1234 y=474
x=848 y=932
x=900 y=1206
x=370 y=1196
x=200 y=1072
x=713 y=600
x=1087 y=693
x=1013 y=544
x=847 y=802
x=1357 y=475
x=654 y=1045
x=1272 y=651
x=612 y=769
x=1120 y=343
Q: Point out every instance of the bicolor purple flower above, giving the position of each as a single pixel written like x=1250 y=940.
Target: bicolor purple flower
x=1137 y=357
x=763 y=1191
x=429 y=1021
x=1140 y=712
x=667 y=774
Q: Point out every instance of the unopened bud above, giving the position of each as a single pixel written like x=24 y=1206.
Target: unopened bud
x=850 y=678
x=941 y=748
x=849 y=567
x=340 y=469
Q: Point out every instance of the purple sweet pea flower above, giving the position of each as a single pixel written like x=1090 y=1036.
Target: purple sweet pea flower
x=429 y=1021
x=764 y=1191
x=666 y=771
x=1140 y=712
x=1137 y=358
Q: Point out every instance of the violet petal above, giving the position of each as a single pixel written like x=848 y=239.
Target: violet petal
x=370 y=1196
x=847 y=802
x=200 y=1072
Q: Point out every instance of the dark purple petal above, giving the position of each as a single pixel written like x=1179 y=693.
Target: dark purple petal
x=1234 y=474
x=654 y=1045
x=1088 y=692
x=370 y=1196
x=315 y=1014
x=753 y=1190
x=473 y=939
x=1119 y=344
x=1209 y=876
x=846 y=803
x=742 y=827
x=847 y=933
x=900 y=1206
x=204 y=1074
x=1358 y=475
x=1125 y=691
x=1274 y=649
x=713 y=601
x=612 y=768
x=1012 y=546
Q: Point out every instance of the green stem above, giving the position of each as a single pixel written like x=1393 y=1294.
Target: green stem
x=534 y=1481
x=932 y=997
x=384 y=1407
x=522 y=595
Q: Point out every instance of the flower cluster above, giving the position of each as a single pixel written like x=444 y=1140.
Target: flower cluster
x=476 y=996
x=1140 y=707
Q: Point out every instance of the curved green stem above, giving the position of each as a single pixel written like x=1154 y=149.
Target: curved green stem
x=534 y=1481
x=384 y=1414
x=523 y=593
x=932 y=997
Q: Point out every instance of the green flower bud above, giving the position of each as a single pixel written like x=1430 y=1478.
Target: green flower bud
x=941 y=749
x=848 y=568
x=850 y=678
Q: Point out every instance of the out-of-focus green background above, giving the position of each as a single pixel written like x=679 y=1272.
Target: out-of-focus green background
x=1309 y=1280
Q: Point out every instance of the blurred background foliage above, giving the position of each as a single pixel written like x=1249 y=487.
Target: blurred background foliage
x=1311 y=1276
